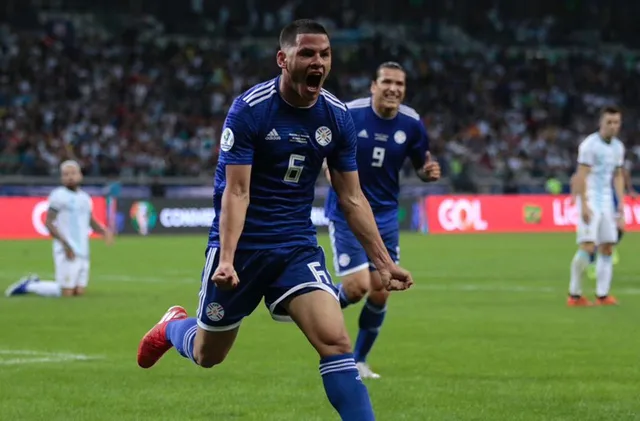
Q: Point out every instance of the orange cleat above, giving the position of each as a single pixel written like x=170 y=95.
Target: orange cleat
x=155 y=344
x=578 y=302
x=609 y=300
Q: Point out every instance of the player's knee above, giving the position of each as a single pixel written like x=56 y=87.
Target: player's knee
x=379 y=296
x=356 y=285
x=334 y=343
x=606 y=249
x=208 y=359
x=588 y=247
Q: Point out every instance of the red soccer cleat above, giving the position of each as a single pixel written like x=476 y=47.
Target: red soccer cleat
x=609 y=300
x=578 y=302
x=154 y=344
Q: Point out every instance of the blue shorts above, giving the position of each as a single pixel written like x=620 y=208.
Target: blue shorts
x=273 y=274
x=349 y=256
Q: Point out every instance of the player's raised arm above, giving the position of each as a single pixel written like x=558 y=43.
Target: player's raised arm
x=357 y=211
x=236 y=155
x=427 y=168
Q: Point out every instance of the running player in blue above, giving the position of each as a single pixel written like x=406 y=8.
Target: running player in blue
x=388 y=132
x=262 y=243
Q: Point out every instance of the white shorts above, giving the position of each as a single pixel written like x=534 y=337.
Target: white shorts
x=71 y=273
x=602 y=229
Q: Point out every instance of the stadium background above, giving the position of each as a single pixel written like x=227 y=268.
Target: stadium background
x=136 y=91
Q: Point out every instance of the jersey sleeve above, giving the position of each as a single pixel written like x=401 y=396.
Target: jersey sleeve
x=343 y=156
x=238 y=135
x=621 y=162
x=419 y=146
x=56 y=200
x=585 y=154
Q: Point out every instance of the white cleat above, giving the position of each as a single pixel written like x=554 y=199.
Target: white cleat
x=366 y=372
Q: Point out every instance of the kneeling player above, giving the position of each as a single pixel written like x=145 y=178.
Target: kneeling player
x=388 y=132
x=69 y=220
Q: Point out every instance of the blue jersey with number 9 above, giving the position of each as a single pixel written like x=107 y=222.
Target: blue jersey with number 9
x=383 y=147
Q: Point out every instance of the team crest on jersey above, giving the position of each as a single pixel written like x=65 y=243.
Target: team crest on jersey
x=215 y=312
x=226 y=140
x=344 y=260
x=400 y=137
x=323 y=136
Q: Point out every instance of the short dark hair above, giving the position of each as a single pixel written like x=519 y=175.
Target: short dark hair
x=388 y=65
x=290 y=32
x=610 y=109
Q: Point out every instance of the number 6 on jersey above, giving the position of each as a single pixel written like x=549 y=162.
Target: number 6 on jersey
x=294 y=171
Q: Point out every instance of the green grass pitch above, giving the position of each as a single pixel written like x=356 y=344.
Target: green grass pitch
x=484 y=335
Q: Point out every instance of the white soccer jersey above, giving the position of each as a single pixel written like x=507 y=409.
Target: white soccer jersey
x=603 y=158
x=73 y=220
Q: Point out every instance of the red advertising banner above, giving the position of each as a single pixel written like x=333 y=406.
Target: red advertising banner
x=23 y=217
x=518 y=213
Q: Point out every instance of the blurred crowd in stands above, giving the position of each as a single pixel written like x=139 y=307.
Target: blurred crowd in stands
x=138 y=100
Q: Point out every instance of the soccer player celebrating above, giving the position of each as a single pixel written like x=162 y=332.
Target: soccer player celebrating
x=388 y=132
x=262 y=242
x=69 y=220
x=600 y=160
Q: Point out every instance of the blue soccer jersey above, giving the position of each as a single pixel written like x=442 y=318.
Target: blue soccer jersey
x=383 y=147
x=286 y=147
x=277 y=256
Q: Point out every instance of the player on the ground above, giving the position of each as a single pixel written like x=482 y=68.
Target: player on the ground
x=600 y=160
x=262 y=242
x=69 y=221
x=388 y=132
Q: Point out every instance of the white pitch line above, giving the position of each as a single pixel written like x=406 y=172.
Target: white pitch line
x=34 y=357
x=430 y=281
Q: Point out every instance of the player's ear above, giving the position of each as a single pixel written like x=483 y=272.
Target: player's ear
x=281 y=59
x=372 y=89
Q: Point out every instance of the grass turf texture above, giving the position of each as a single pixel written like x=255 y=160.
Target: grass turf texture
x=484 y=335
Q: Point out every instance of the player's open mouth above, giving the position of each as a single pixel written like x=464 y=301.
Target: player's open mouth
x=313 y=81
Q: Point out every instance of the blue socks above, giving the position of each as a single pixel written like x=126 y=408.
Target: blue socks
x=371 y=319
x=345 y=389
x=181 y=334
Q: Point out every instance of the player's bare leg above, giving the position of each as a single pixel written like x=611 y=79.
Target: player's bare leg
x=371 y=318
x=320 y=318
x=578 y=266
x=68 y=292
x=176 y=329
x=211 y=348
x=79 y=291
x=354 y=287
x=318 y=315
x=604 y=274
